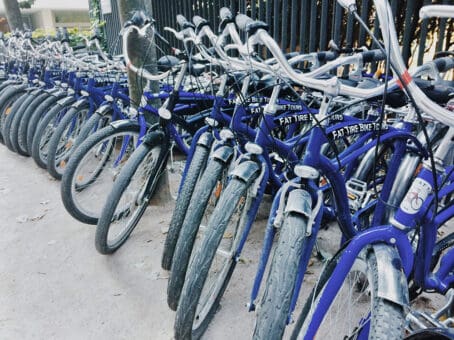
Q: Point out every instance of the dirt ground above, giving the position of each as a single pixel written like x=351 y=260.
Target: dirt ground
x=54 y=285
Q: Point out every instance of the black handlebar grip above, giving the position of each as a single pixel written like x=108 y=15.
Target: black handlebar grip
x=373 y=55
x=225 y=14
x=242 y=21
x=444 y=64
x=323 y=57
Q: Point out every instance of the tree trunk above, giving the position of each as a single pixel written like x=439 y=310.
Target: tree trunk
x=147 y=58
x=13 y=15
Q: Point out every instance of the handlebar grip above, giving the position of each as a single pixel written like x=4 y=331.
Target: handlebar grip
x=373 y=55
x=182 y=21
x=199 y=22
x=444 y=64
x=323 y=57
x=347 y=4
x=242 y=21
x=225 y=14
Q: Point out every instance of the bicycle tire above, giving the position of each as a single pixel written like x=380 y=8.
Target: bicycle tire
x=185 y=243
x=36 y=106
x=57 y=158
x=142 y=195
x=189 y=321
x=14 y=129
x=45 y=130
x=93 y=145
x=14 y=111
x=38 y=114
x=274 y=307
x=7 y=99
x=387 y=319
x=181 y=205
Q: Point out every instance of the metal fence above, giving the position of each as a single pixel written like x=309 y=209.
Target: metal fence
x=111 y=17
x=309 y=25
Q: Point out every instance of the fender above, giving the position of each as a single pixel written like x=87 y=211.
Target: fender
x=79 y=103
x=123 y=122
x=299 y=201
x=104 y=109
x=223 y=153
x=66 y=101
x=205 y=139
x=392 y=285
x=246 y=171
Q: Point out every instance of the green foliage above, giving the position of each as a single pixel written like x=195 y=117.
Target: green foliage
x=26 y=3
x=94 y=12
x=75 y=35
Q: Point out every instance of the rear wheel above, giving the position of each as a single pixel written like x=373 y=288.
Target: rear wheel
x=129 y=197
x=93 y=169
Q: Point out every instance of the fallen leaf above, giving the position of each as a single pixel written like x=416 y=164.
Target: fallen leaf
x=164 y=229
x=22 y=219
x=37 y=217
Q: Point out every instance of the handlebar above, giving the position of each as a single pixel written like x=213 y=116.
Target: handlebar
x=139 y=70
x=441 y=11
x=444 y=64
x=225 y=14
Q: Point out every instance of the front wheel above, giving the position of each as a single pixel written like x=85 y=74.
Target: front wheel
x=275 y=304
x=213 y=264
x=62 y=142
x=356 y=311
x=198 y=162
x=129 y=197
x=201 y=206
x=94 y=167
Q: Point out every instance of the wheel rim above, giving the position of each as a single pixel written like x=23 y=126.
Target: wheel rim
x=98 y=169
x=350 y=310
x=133 y=200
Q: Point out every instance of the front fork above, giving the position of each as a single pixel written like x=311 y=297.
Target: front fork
x=275 y=221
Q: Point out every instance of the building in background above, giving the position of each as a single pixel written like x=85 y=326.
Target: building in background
x=52 y=14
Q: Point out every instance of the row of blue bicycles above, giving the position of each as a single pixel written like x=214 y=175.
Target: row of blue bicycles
x=345 y=139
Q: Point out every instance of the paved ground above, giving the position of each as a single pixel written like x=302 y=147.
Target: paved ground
x=54 y=285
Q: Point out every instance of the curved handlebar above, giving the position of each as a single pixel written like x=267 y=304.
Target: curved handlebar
x=441 y=11
x=139 y=70
x=242 y=21
x=225 y=14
